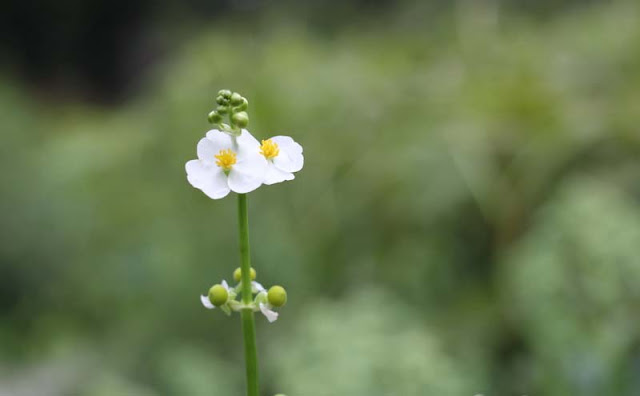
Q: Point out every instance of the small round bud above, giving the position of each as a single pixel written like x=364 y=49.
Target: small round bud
x=221 y=101
x=225 y=93
x=218 y=295
x=237 y=274
x=277 y=296
x=222 y=110
x=236 y=99
x=240 y=119
x=214 y=117
x=241 y=106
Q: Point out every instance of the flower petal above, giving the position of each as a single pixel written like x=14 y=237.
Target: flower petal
x=225 y=284
x=269 y=314
x=248 y=173
x=220 y=140
x=247 y=139
x=275 y=175
x=207 y=304
x=287 y=143
x=197 y=173
x=290 y=158
x=210 y=179
x=257 y=287
x=217 y=187
x=206 y=150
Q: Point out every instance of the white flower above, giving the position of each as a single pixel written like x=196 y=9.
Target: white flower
x=227 y=163
x=284 y=156
x=205 y=299
x=268 y=313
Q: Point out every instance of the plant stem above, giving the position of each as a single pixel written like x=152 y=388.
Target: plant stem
x=248 y=324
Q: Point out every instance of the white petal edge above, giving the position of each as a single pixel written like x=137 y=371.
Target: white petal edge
x=196 y=173
x=290 y=158
x=206 y=151
x=225 y=284
x=247 y=174
x=269 y=314
x=287 y=143
x=218 y=184
x=248 y=140
x=205 y=301
x=221 y=140
x=275 y=175
x=257 y=287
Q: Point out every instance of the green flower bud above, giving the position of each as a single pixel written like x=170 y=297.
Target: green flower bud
x=236 y=99
x=277 y=296
x=214 y=117
x=237 y=274
x=221 y=101
x=225 y=93
x=218 y=295
x=241 y=106
x=222 y=110
x=240 y=119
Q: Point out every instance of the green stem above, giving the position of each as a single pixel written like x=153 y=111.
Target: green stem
x=248 y=324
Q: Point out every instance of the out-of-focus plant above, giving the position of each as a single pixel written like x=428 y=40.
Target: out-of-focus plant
x=572 y=283
x=368 y=345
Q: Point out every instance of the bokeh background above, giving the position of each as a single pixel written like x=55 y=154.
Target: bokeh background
x=467 y=221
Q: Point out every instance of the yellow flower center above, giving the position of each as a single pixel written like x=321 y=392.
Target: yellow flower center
x=225 y=159
x=269 y=149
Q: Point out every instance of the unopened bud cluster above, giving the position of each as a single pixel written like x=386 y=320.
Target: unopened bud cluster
x=225 y=297
x=233 y=106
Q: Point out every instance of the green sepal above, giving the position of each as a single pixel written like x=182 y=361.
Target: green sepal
x=225 y=309
x=261 y=298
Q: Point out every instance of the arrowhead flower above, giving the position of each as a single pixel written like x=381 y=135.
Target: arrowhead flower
x=284 y=157
x=231 y=159
x=227 y=163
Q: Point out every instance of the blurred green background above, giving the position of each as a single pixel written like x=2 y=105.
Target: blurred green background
x=467 y=220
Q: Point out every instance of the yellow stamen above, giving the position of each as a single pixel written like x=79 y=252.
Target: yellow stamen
x=269 y=149
x=226 y=159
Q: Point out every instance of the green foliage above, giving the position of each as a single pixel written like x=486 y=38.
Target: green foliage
x=572 y=282
x=368 y=344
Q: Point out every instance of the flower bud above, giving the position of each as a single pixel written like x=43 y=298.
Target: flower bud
x=221 y=101
x=214 y=117
x=277 y=296
x=237 y=274
x=240 y=119
x=218 y=295
x=225 y=93
x=222 y=110
x=236 y=99
x=243 y=105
